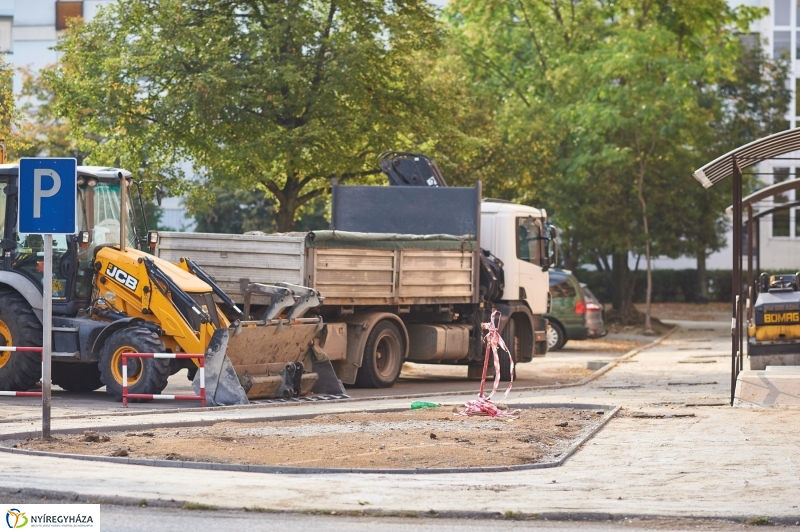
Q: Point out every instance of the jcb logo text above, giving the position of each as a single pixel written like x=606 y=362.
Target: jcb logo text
x=129 y=281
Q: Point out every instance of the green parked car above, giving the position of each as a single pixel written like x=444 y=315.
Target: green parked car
x=575 y=314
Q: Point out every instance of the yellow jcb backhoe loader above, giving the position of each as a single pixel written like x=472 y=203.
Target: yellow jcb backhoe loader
x=111 y=297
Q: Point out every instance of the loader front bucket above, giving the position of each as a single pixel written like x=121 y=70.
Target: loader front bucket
x=222 y=383
x=267 y=361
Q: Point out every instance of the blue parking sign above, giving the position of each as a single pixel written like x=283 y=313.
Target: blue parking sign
x=48 y=195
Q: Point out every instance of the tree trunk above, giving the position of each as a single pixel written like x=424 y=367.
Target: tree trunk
x=702 y=276
x=620 y=284
x=648 y=325
x=572 y=259
x=285 y=217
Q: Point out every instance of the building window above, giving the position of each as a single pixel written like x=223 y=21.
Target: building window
x=797 y=45
x=779 y=175
x=781 y=220
x=781 y=44
x=5 y=34
x=783 y=13
x=781 y=223
x=66 y=11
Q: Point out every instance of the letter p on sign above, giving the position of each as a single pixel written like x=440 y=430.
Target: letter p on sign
x=39 y=192
x=47 y=195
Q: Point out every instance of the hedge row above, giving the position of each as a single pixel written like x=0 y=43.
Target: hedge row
x=668 y=285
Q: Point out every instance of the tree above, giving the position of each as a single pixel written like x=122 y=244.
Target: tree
x=606 y=107
x=9 y=114
x=241 y=211
x=281 y=95
x=755 y=104
x=44 y=134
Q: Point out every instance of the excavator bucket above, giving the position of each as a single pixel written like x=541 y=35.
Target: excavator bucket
x=222 y=384
x=265 y=362
x=274 y=357
x=277 y=357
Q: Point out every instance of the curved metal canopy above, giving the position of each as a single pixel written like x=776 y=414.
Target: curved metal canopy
x=766 y=192
x=748 y=155
x=780 y=207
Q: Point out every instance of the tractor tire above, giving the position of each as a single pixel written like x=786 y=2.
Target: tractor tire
x=556 y=337
x=77 y=377
x=383 y=357
x=19 y=327
x=145 y=375
x=511 y=340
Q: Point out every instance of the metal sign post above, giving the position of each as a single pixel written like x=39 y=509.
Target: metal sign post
x=47 y=205
x=47 y=321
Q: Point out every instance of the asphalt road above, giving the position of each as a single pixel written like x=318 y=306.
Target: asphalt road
x=122 y=517
x=566 y=366
x=131 y=519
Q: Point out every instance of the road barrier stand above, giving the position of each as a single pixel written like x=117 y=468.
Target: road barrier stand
x=201 y=369
x=21 y=350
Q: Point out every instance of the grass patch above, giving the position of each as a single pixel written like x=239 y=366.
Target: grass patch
x=198 y=506
x=260 y=509
x=142 y=503
x=759 y=521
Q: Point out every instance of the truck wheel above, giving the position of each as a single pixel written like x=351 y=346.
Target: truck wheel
x=77 y=377
x=511 y=340
x=145 y=375
x=383 y=357
x=20 y=327
x=556 y=337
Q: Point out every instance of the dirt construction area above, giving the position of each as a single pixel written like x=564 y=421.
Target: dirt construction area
x=425 y=438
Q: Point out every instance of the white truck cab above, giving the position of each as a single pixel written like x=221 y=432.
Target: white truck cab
x=514 y=234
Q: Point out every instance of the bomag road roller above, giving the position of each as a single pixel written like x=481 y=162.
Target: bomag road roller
x=112 y=297
x=774 y=330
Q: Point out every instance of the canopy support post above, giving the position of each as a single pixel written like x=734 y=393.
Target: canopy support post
x=736 y=291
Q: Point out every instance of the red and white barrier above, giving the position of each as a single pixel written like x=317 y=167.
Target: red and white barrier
x=21 y=394
x=21 y=350
x=201 y=369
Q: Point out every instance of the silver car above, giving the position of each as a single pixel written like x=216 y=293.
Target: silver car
x=594 y=314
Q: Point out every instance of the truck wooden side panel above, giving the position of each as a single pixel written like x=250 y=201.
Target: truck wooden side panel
x=350 y=275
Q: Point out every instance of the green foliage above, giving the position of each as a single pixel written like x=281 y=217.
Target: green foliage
x=593 y=96
x=240 y=211
x=45 y=134
x=236 y=212
x=9 y=114
x=603 y=109
x=283 y=96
